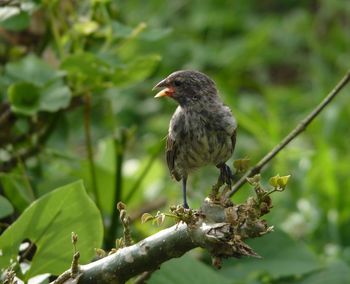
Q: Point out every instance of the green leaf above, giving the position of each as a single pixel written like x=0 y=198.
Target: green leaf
x=136 y=71
x=16 y=189
x=273 y=181
x=187 y=270
x=282 y=257
x=48 y=223
x=24 y=98
x=283 y=181
x=6 y=207
x=17 y=22
x=120 y=30
x=32 y=69
x=86 y=27
x=336 y=272
x=85 y=66
x=54 y=96
x=155 y=34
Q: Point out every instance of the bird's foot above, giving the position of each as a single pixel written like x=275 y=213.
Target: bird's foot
x=226 y=175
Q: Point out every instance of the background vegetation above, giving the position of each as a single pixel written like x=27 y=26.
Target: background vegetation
x=76 y=104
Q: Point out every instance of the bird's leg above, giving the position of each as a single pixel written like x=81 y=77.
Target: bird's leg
x=184 y=184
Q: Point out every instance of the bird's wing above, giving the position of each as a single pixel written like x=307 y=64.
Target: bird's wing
x=171 y=149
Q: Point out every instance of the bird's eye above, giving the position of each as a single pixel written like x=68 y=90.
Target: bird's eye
x=177 y=83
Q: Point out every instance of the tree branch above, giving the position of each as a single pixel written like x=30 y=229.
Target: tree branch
x=220 y=230
x=143 y=256
x=291 y=136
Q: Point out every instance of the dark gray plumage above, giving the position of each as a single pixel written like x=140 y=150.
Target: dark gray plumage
x=202 y=130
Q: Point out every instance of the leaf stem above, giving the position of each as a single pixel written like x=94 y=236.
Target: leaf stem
x=88 y=144
x=118 y=189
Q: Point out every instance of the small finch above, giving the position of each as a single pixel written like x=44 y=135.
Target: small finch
x=202 y=130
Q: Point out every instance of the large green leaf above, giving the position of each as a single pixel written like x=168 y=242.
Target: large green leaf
x=48 y=223
x=187 y=270
x=38 y=88
x=337 y=272
x=54 y=96
x=24 y=98
x=282 y=257
x=17 y=22
x=28 y=99
x=32 y=69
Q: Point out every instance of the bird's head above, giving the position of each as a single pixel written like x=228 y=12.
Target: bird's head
x=186 y=87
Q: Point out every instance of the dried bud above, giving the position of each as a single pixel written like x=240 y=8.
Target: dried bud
x=241 y=165
x=216 y=262
x=74 y=238
x=146 y=217
x=121 y=206
x=100 y=253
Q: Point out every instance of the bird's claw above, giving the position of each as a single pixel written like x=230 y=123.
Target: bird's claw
x=226 y=175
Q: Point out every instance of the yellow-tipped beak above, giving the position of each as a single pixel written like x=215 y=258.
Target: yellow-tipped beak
x=165 y=92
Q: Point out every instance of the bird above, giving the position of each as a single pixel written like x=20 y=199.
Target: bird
x=202 y=130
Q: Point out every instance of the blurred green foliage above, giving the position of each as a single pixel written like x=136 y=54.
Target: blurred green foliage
x=76 y=103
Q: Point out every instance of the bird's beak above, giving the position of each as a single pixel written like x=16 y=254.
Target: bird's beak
x=166 y=91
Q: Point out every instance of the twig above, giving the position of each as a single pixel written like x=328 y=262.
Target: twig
x=11 y=3
x=293 y=134
x=5 y=115
x=125 y=220
x=75 y=262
